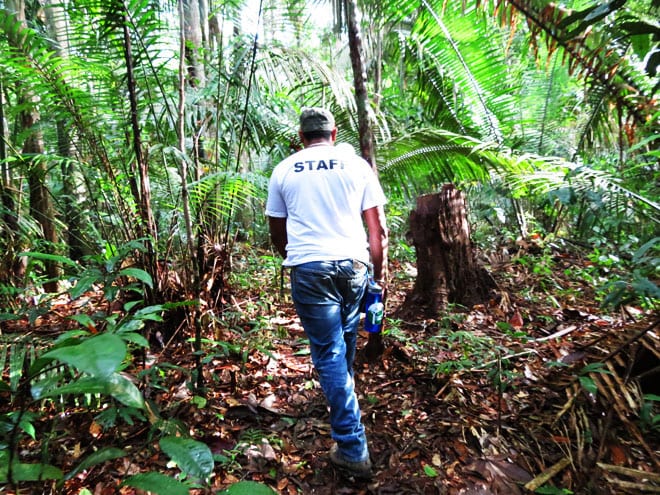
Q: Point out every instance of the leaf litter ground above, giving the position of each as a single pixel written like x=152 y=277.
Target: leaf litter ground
x=535 y=390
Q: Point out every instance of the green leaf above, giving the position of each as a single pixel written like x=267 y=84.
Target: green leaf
x=98 y=356
x=84 y=320
x=98 y=457
x=26 y=425
x=83 y=284
x=50 y=257
x=595 y=368
x=156 y=483
x=9 y=317
x=138 y=273
x=588 y=384
x=430 y=471
x=150 y=313
x=248 y=488
x=30 y=472
x=192 y=457
x=125 y=391
x=115 y=385
x=136 y=338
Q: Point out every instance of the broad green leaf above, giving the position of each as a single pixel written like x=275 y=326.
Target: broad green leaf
x=125 y=391
x=30 y=472
x=83 y=284
x=136 y=338
x=98 y=457
x=138 y=273
x=84 y=320
x=131 y=304
x=26 y=425
x=98 y=356
x=150 y=313
x=115 y=385
x=248 y=488
x=192 y=457
x=156 y=483
x=43 y=385
x=72 y=337
x=50 y=257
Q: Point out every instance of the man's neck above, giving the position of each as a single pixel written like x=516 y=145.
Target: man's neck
x=317 y=142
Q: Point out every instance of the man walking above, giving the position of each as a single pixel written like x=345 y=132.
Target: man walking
x=318 y=199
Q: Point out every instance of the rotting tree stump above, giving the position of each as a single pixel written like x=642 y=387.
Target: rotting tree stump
x=447 y=272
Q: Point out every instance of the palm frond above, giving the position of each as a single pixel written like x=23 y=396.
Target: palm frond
x=592 y=46
x=219 y=194
x=426 y=159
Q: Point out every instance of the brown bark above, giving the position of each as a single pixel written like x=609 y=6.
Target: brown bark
x=447 y=272
x=41 y=208
x=360 y=84
x=374 y=348
x=140 y=184
x=194 y=34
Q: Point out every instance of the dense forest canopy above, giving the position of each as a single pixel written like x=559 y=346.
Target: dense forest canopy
x=138 y=138
x=121 y=138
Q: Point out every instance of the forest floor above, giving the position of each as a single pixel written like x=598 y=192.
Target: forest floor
x=538 y=390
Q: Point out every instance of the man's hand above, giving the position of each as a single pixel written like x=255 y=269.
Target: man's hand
x=278 y=235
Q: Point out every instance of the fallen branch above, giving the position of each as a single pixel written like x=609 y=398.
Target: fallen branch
x=546 y=475
x=555 y=335
x=631 y=473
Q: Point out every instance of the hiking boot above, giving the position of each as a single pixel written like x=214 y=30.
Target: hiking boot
x=359 y=470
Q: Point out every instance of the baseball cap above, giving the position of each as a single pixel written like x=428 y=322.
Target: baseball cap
x=316 y=119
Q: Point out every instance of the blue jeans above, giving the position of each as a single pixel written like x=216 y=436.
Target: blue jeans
x=327 y=296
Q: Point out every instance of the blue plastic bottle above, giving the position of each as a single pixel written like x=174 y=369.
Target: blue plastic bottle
x=373 y=320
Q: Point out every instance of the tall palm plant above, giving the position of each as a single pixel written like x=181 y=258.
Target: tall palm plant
x=470 y=77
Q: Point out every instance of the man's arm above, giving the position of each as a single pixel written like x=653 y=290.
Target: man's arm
x=277 y=228
x=378 y=240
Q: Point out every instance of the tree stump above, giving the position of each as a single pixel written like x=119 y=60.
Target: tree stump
x=447 y=271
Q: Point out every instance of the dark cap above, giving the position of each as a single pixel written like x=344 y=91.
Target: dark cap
x=316 y=119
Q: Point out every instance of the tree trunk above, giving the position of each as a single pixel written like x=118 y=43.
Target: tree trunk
x=140 y=184
x=360 y=85
x=194 y=43
x=73 y=196
x=10 y=266
x=446 y=269
x=41 y=208
x=374 y=348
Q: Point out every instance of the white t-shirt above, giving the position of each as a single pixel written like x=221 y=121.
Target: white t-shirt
x=322 y=191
